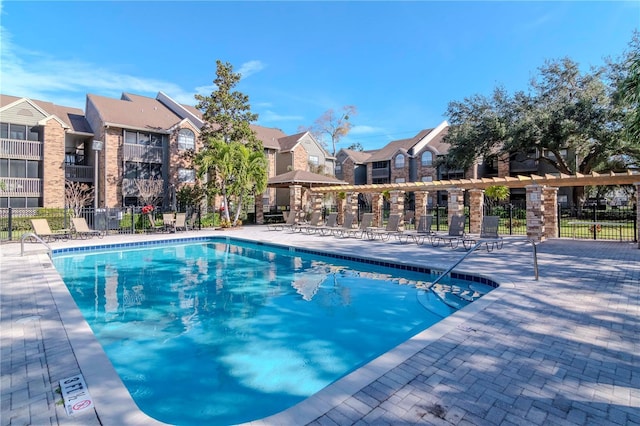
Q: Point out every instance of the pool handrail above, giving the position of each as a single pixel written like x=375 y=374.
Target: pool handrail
x=478 y=244
x=37 y=238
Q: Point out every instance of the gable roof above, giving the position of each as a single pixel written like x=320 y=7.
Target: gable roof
x=73 y=118
x=432 y=138
x=404 y=145
x=358 y=157
x=135 y=112
x=304 y=178
x=288 y=143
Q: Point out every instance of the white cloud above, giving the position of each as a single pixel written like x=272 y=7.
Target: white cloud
x=366 y=130
x=270 y=116
x=251 y=67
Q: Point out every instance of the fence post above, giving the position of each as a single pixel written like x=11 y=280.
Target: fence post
x=10 y=224
x=595 y=219
x=510 y=219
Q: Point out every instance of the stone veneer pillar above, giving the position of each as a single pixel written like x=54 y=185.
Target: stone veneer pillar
x=455 y=202
x=316 y=201
x=476 y=210
x=397 y=206
x=535 y=213
x=550 y=200
x=377 y=201
x=295 y=200
x=421 y=198
x=340 y=205
x=352 y=203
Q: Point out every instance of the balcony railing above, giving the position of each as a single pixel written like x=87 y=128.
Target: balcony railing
x=20 y=187
x=380 y=173
x=130 y=189
x=15 y=148
x=78 y=173
x=142 y=153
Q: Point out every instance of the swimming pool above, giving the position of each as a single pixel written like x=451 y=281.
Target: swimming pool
x=218 y=333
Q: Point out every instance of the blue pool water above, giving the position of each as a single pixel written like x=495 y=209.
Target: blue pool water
x=214 y=333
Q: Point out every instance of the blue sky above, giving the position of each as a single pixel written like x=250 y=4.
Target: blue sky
x=399 y=63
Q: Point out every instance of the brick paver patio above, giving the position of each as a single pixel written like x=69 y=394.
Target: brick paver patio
x=561 y=350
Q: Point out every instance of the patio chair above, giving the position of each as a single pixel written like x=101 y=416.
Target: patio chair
x=153 y=226
x=41 y=229
x=455 y=234
x=314 y=223
x=361 y=230
x=330 y=225
x=421 y=233
x=180 y=223
x=289 y=223
x=82 y=230
x=488 y=235
x=392 y=229
x=169 y=222
x=347 y=225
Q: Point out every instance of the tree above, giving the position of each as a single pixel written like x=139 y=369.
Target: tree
x=149 y=190
x=232 y=156
x=356 y=146
x=227 y=113
x=333 y=126
x=496 y=193
x=77 y=196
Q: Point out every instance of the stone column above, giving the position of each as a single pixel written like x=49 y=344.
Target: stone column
x=421 y=198
x=352 y=203
x=535 y=213
x=476 y=210
x=397 y=206
x=295 y=200
x=376 y=208
x=340 y=205
x=259 y=209
x=316 y=201
x=550 y=200
x=455 y=202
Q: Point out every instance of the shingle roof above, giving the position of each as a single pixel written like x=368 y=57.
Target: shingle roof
x=287 y=143
x=135 y=111
x=358 y=157
x=387 y=152
x=73 y=117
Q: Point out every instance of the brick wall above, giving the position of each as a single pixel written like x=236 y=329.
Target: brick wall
x=53 y=177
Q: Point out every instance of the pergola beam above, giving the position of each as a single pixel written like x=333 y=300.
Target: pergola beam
x=554 y=180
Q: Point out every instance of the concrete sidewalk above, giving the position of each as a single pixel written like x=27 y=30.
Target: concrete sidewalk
x=561 y=350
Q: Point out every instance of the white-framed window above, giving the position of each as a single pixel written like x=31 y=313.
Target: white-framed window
x=427 y=158
x=400 y=180
x=338 y=167
x=427 y=179
x=186 y=175
x=313 y=159
x=399 y=161
x=186 y=139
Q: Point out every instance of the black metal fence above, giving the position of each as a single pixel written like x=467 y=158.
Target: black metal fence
x=599 y=222
x=15 y=222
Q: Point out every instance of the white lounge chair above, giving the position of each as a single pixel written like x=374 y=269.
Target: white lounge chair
x=82 y=230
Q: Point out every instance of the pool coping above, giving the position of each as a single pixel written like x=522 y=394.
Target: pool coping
x=114 y=404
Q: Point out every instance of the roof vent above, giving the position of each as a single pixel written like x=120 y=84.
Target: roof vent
x=25 y=112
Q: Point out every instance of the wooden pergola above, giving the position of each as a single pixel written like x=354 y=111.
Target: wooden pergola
x=553 y=180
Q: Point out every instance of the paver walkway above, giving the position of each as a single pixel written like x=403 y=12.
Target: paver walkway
x=561 y=350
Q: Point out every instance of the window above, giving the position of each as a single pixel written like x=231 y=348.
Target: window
x=17 y=131
x=427 y=158
x=186 y=139
x=186 y=175
x=427 y=179
x=313 y=159
x=399 y=161
x=152 y=139
x=338 y=167
x=4 y=130
x=20 y=168
x=142 y=170
x=130 y=137
x=33 y=134
x=400 y=180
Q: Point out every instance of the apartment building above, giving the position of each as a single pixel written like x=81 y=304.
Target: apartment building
x=42 y=145
x=118 y=142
